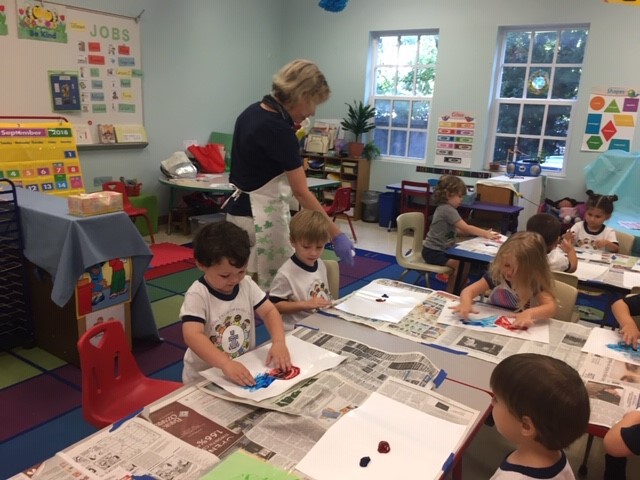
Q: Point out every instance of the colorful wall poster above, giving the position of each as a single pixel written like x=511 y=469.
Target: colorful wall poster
x=41 y=157
x=454 y=142
x=39 y=22
x=611 y=119
x=65 y=94
x=3 y=21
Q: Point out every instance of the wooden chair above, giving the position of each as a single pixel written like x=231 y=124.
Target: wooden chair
x=133 y=212
x=340 y=206
x=412 y=224
x=625 y=241
x=333 y=277
x=112 y=384
x=416 y=197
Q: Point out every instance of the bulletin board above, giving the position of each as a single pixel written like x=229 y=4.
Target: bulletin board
x=58 y=55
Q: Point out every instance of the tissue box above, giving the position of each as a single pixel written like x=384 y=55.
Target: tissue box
x=86 y=204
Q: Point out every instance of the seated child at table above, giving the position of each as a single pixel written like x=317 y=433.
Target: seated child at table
x=560 y=251
x=218 y=321
x=519 y=279
x=446 y=223
x=592 y=233
x=624 y=310
x=301 y=284
x=621 y=441
x=542 y=406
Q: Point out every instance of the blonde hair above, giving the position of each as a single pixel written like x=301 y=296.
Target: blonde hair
x=528 y=254
x=448 y=185
x=300 y=80
x=309 y=225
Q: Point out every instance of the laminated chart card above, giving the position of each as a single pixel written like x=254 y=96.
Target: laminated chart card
x=492 y=319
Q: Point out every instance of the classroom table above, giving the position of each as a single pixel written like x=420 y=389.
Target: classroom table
x=218 y=184
x=65 y=246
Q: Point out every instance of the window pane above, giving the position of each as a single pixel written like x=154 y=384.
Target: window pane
x=398 y=143
x=385 y=80
x=572 y=46
x=557 y=121
x=517 y=47
x=381 y=139
x=532 y=119
x=405 y=81
x=408 y=51
x=383 y=113
x=387 y=50
x=553 y=147
x=420 y=115
x=538 y=83
x=400 y=117
x=501 y=149
x=428 y=49
x=508 y=118
x=425 y=80
x=528 y=147
x=544 y=44
x=417 y=144
x=566 y=83
x=512 y=84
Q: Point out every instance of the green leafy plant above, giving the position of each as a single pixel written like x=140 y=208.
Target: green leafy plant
x=359 y=119
x=370 y=151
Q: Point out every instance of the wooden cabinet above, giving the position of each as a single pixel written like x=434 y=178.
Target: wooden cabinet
x=351 y=172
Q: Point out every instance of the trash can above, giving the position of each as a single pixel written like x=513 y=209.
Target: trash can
x=370 y=206
x=388 y=209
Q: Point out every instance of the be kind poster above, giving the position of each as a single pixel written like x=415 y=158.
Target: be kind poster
x=611 y=119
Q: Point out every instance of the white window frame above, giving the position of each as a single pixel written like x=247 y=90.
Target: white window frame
x=496 y=100
x=375 y=36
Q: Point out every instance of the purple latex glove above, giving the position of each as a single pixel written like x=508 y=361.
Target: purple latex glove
x=344 y=249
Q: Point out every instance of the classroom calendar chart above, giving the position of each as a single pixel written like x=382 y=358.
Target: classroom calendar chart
x=41 y=157
x=611 y=119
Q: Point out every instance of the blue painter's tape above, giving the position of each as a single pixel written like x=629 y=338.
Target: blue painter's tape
x=117 y=424
x=449 y=463
x=444 y=349
x=307 y=326
x=439 y=378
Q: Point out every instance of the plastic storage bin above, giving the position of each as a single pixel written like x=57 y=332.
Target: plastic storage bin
x=370 y=206
x=388 y=209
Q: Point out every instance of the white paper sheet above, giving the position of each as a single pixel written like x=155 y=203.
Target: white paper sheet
x=604 y=342
x=590 y=271
x=631 y=279
x=381 y=302
x=420 y=443
x=488 y=313
x=310 y=358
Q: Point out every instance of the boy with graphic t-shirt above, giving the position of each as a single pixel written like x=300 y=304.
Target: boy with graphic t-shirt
x=218 y=312
x=301 y=284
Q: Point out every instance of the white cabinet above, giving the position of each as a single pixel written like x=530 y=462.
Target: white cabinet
x=529 y=193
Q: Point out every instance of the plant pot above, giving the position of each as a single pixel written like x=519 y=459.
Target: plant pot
x=494 y=167
x=355 y=149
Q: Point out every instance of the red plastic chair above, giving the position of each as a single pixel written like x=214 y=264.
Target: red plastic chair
x=341 y=204
x=129 y=209
x=113 y=386
x=416 y=197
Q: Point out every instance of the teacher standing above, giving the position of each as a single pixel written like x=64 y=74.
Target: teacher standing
x=267 y=171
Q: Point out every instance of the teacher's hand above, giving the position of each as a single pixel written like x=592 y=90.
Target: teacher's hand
x=344 y=249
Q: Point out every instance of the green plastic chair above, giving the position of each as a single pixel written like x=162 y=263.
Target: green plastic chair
x=227 y=140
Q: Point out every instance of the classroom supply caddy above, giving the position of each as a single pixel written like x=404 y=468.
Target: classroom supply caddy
x=16 y=326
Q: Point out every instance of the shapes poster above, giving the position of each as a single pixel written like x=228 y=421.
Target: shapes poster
x=611 y=119
x=454 y=142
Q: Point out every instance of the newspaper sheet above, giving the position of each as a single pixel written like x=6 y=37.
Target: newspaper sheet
x=332 y=392
x=482 y=245
x=134 y=448
x=612 y=386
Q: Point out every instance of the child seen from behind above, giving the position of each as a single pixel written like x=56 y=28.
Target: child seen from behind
x=519 y=278
x=218 y=312
x=301 y=284
x=446 y=223
x=541 y=405
x=560 y=251
x=592 y=233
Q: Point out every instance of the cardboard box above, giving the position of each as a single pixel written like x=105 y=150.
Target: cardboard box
x=86 y=204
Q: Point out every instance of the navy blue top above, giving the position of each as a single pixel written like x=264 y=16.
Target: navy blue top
x=264 y=146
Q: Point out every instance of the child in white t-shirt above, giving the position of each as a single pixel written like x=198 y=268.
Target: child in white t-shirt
x=592 y=233
x=560 y=253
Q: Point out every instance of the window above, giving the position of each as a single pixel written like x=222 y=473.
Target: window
x=402 y=83
x=536 y=89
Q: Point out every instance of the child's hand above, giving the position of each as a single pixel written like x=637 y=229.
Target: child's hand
x=463 y=309
x=238 y=373
x=630 y=334
x=523 y=319
x=279 y=357
x=570 y=237
x=491 y=235
x=317 y=302
x=566 y=244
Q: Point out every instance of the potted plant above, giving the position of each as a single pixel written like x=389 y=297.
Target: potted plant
x=359 y=120
x=370 y=151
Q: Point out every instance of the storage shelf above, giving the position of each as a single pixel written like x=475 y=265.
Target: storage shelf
x=113 y=146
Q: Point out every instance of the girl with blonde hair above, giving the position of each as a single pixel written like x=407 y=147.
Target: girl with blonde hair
x=519 y=279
